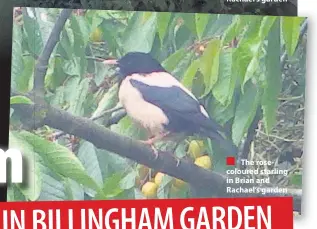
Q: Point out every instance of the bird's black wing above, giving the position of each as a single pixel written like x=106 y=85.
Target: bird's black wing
x=176 y=103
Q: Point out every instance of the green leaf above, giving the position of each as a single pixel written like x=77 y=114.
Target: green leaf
x=296 y=179
x=14 y=194
x=190 y=73
x=224 y=88
x=20 y=99
x=189 y=21
x=60 y=159
x=182 y=66
x=111 y=37
x=218 y=24
x=128 y=128
x=108 y=101
x=273 y=82
x=252 y=67
x=219 y=112
x=96 y=22
x=163 y=19
x=253 y=24
x=245 y=56
x=53 y=187
x=209 y=64
x=55 y=75
x=173 y=60
x=88 y=157
x=78 y=97
x=72 y=67
x=76 y=190
x=66 y=43
x=181 y=150
x=250 y=46
x=111 y=162
x=68 y=88
x=46 y=23
x=25 y=82
x=291 y=30
x=245 y=112
x=22 y=66
x=58 y=99
x=10 y=193
x=231 y=32
x=162 y=191
x=17 y=60
x=146 y=16
x=81 y=30
x=101 y=70
x=201 y=23
x=266 y=25
x=32 y=187
x=128 y=181
x=34 y=35
x=140 y=36
x=111 y=187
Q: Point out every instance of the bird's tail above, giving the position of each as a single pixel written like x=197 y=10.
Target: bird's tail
x=226 y=144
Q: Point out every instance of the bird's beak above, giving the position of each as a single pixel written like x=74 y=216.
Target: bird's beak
x=111 y=62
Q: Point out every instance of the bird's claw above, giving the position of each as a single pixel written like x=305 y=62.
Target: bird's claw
x=150 y=143
x=156 y=152
x=147 y=142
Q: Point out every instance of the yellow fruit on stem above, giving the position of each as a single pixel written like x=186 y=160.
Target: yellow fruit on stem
x=96 y=35
x=204 y=162
x=149 y=189
x=195 y=148
x=158 y=178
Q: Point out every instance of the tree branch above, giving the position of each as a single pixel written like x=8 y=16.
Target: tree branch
x=42 y=62
x=210 y=181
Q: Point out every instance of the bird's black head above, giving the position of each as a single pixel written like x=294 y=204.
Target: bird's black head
x=138 y=62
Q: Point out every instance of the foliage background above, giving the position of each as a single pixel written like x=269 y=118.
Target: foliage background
x=288 y=8
x=231 y=63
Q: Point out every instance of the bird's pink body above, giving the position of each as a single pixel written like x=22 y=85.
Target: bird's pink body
x=146 y=114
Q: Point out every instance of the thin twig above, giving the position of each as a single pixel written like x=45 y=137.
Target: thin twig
x=42 y=63
x=280 y=138
x=110 y=111
x=95 y=58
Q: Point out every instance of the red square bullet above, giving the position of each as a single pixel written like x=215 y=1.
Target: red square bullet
x=230 y=161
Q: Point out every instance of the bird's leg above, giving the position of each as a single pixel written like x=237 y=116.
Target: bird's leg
x=150 y=142
x=154 y=139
